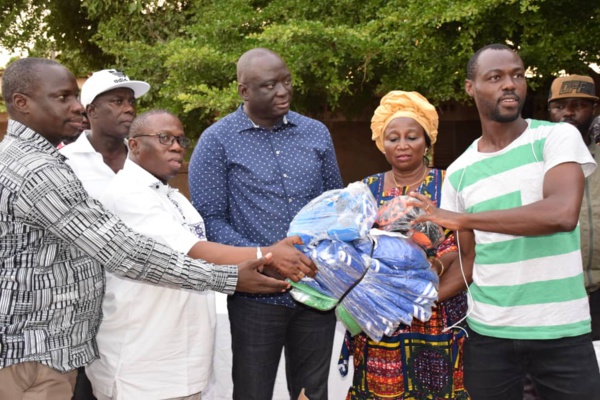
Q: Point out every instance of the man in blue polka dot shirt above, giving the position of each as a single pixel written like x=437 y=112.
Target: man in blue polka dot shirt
x=250 y=173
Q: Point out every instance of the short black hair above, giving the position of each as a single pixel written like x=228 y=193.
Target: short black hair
x=141 y=121
x=22 y=76
x=472 y=64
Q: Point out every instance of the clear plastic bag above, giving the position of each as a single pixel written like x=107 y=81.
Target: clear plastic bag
x=376 y=280
x=342 y=214
x=382 y=280
x=398 y=286
x=340 y=266
x=397 y=215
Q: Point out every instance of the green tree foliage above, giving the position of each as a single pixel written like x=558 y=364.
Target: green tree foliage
x=343 y=54
x=52 y=28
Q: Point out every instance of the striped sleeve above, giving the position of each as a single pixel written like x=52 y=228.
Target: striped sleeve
x=54 y=198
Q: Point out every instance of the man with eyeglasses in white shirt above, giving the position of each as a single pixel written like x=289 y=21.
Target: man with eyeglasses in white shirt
x=158 y=342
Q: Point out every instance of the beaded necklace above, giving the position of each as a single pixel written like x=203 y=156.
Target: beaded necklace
x=406 y=187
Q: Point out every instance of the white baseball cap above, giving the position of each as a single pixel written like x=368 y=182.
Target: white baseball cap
x=109 y=79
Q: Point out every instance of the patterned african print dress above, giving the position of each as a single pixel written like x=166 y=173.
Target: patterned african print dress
x=418 y=361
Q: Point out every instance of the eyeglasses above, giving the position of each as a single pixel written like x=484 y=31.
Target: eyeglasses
x=168 y=140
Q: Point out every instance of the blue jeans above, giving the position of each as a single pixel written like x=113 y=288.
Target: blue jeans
x=260 y=331
x=562 y=369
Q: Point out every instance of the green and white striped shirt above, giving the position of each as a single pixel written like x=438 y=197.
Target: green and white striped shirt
x=524 y=287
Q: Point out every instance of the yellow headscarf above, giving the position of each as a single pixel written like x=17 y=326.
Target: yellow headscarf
x=397 y=104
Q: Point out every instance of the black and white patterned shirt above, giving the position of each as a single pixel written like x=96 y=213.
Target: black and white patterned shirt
x=54 y=243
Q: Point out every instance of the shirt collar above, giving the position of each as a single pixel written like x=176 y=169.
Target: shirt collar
x=247 y=123
x=82 y=144
x=145 y=178
x=20 y=131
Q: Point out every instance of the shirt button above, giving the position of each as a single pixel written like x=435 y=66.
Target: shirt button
x=277 y=152
x=285 y=175
x=290 y=199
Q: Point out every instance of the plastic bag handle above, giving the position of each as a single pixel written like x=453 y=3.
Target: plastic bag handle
x=363 y=274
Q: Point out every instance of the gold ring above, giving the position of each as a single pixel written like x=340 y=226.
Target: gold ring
x=301 y=274
x=427 y=208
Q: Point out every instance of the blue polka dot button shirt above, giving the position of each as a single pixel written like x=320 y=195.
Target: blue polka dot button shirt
x=248 y=182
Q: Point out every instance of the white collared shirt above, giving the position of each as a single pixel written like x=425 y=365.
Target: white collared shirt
x=154 y=342
x=88 y=165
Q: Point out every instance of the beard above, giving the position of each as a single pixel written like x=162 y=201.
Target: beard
x=583 y=126
x=495 y=115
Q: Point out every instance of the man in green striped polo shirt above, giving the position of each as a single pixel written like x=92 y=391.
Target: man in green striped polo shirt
x=514 y=197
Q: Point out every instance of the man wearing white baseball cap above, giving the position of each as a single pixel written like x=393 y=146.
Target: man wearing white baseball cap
x=109 y=98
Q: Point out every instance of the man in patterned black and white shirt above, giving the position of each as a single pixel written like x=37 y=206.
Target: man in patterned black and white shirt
x=55 y=242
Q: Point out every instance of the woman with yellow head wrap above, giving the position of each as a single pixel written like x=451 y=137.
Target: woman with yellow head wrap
x=405 y=127
x=398 y=104
x=420 y=361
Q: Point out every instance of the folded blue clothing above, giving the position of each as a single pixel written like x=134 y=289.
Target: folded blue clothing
x=383 y=295
x=373 y=314
x=415 y=281
x=377 y=279
x=339 y=264
x=341 y=214
x=379 y=308
x=394 y=251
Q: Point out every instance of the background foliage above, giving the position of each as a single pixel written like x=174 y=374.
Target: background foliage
x=343 y=54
